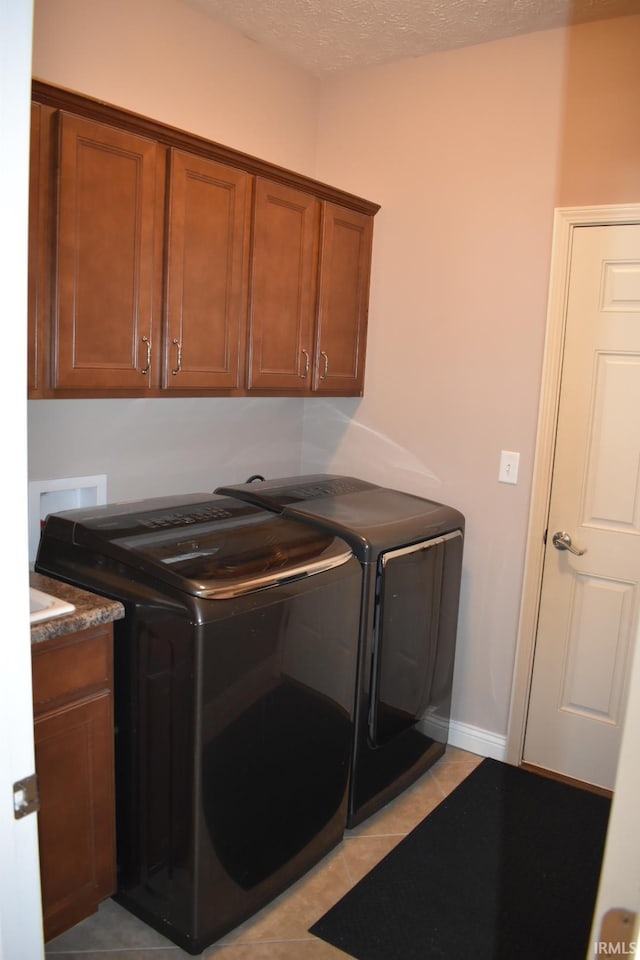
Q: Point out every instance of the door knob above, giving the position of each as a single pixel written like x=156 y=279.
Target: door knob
x=562 y=541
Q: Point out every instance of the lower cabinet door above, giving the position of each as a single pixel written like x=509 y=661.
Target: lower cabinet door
x=74 y=763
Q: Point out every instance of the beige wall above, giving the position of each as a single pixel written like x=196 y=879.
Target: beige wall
x=600 y=134
x=165 y=59
x=469 y=152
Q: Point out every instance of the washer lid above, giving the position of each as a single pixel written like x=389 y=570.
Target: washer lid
x=209 y=546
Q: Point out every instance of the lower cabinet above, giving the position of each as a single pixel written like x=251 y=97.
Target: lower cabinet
x=73 y=712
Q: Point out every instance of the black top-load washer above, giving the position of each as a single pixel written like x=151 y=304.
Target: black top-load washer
x=234 y=674
x=410 y=550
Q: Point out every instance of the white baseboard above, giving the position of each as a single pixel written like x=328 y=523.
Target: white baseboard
x=484 y=743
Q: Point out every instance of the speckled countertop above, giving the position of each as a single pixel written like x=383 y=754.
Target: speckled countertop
x=91 y=609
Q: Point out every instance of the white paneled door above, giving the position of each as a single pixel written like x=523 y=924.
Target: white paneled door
x=589 y=601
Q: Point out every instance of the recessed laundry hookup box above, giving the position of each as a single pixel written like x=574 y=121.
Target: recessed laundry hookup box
x=66 y=493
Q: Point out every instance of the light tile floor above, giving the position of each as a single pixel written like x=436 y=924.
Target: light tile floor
x=280 y=930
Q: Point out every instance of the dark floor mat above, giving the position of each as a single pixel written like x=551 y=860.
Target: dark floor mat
x=506 y=868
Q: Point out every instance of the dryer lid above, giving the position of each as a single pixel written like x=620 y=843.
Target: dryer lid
x=283 y=492
x=370 y=518
x=210 y=546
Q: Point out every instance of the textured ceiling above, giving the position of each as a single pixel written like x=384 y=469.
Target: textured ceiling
x=325 y=36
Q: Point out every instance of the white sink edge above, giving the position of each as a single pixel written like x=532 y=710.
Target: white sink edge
x=42 y=606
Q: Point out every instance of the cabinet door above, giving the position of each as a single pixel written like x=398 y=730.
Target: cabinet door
x=345 y=259
x=283 y=288
x=74 y=763
x=209 y=211
x=109 y=212
x=37 y=276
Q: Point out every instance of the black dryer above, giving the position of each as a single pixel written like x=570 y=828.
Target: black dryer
x=410 y=550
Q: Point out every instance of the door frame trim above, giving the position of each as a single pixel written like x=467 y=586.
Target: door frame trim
x=566 y=220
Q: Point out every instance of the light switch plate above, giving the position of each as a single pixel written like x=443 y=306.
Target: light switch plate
x=509 y=463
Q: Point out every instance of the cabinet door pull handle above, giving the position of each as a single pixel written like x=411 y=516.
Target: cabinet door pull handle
x=305 y=372
x=146 y=368
x=323 y=375
x=178 y=367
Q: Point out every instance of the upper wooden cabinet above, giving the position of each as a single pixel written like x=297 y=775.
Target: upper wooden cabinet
x=343 y=301
x=284 y=267
x=309 y=290
x=106 y=291
x=163 y=264
x=209 y=208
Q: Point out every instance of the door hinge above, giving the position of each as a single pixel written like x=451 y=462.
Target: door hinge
x=26 y=797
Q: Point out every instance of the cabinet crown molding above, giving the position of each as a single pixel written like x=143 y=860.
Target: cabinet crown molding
x=61 y=98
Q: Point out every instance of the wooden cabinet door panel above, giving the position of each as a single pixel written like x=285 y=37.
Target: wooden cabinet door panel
x=209 y=211
x=282 y=288
x=343 y=300
x=74 y=763
x=106 y=285
x=38 y=274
